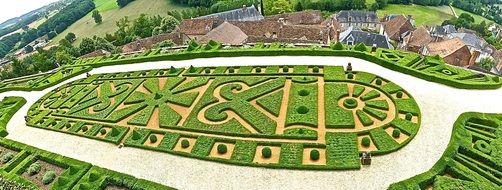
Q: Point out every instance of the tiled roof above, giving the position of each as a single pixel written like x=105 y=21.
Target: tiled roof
x=443 y=30
x=95 y=54
x=393 y=26
x=299 y=18
x=420 y=37
x=470 y=39
x=147 y=43
x=197 y=26
x=225 y=33
x=445 y=48
x=498 y=59
x=241 y=14
x=357 y=17
x=367 y=38
x=274 y=29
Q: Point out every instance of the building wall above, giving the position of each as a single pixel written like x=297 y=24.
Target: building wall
x=368 y=26
x=461 y=57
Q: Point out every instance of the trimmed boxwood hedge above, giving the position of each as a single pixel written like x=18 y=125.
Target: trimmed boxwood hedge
x=11 y=105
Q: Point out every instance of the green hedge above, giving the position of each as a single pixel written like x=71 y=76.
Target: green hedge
x=9 y=105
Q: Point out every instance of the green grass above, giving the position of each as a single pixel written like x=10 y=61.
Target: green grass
x=477 y=18
x=86 y=27
x=423 y=15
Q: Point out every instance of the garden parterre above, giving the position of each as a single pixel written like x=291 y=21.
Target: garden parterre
x=307 y=117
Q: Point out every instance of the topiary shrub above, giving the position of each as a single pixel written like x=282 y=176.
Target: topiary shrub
x=314 y=154
x=408 y=116
x=360 y=47
x=7 y=157
x=366 y=141
x=102 y=131
x=192 y=69
x=231 y=70
x=135 y=135
x=396 y=133
x=185 y=143
x=483 y=146
x=207 y=70
x=496 y=79
x=266 y=152
x=350 y=103
x=258 y=69
x=337 y=46
x=285 y=69
x=54 y=123
x=172 y=70
x=153 y=138
x=399 y=94
x=48 y=177
x=85 y=128
x=34 y=169
x=302 y=110
x=350 y=76
x=378 y=81
x=315 y=69
x=68 y=125
x=222 y=149
x=303 y=92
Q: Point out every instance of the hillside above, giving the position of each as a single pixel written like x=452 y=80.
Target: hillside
x=423 y=15
x=86 y=27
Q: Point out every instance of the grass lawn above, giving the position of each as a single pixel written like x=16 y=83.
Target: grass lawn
x=477 y=18
x=86 y=27
x=423 y=15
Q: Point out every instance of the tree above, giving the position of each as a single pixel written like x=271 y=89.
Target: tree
x=277 y=7
x=299 y=6
x=382 y=3
x=51 y=35
x=97 y=17
x=374 y=7
x=486 y=63
x=168 y=25
x=86 y=46
x=123 y=3
x=70 y=37
x=63 y=58
x=28 y=49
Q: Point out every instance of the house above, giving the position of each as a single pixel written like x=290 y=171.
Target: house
x=298 y=18
x=440 y=32
x=363 y=20
x=274 y=31
x=453 y=51
x=353 y=37
x=416 y=40
x=475 y=44
x=225 y=33
x=196 y=28
x=497 y=56
x=241 y=14
x=397 y=26
x=150 y=42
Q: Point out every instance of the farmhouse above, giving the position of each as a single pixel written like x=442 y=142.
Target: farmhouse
x=454 y=52
x=416 y=40
x=363 y=20
x=353 y=37
x=397 y=26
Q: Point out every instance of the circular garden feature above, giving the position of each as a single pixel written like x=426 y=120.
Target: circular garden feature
x=350 y=103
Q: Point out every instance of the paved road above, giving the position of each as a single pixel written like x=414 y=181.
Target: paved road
x=440 y=106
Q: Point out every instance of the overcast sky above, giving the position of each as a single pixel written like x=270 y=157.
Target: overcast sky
x=14 y=8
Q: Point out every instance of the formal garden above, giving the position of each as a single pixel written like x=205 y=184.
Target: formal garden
x=304 y=117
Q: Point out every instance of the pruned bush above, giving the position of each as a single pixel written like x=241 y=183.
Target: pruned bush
x=350 y=76
x=258 y=69
x=315 y=69
x=185 y=143
x=7 y=157
x=192 y=69
x=378 y=81
x=207 y=70
x=85 y=128
x=153 y=138
x=302 y=110
x=337 y=46
x=68 y=125
x=231 y=70
x=396 y=133
x=366 y=141
x=172 y=70
x=314 y=154
x=399 y=94
x=102 y=131
x=285 y=69
x=34 y=169
x=408 y=116
x=350 y=103
x=48 y=177
x=266 y=152
x=222 y=149
x=303 y=92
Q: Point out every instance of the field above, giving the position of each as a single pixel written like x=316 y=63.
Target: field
x=423 y=15
x=305 y=117
x=86 y=27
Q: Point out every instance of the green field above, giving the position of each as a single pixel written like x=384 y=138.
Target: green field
x=423 y=15
x=477 y=18
x=86 y=27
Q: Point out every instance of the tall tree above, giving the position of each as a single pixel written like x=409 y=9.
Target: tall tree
x=97 y=17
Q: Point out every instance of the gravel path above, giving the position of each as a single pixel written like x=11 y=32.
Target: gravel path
x=440 y=105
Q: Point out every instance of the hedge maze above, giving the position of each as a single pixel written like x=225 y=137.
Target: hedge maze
x=472 y=159
x=307 y=117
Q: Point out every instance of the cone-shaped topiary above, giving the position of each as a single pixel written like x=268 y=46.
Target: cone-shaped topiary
x=366 y=141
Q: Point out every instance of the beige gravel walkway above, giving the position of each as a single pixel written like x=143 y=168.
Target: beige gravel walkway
x=440 y=106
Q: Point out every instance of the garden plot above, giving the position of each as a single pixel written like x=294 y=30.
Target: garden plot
x=308 y=117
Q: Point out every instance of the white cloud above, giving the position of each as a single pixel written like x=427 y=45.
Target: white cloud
x=14 y=8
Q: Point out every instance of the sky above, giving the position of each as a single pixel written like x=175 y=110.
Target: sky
x=14 y=8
